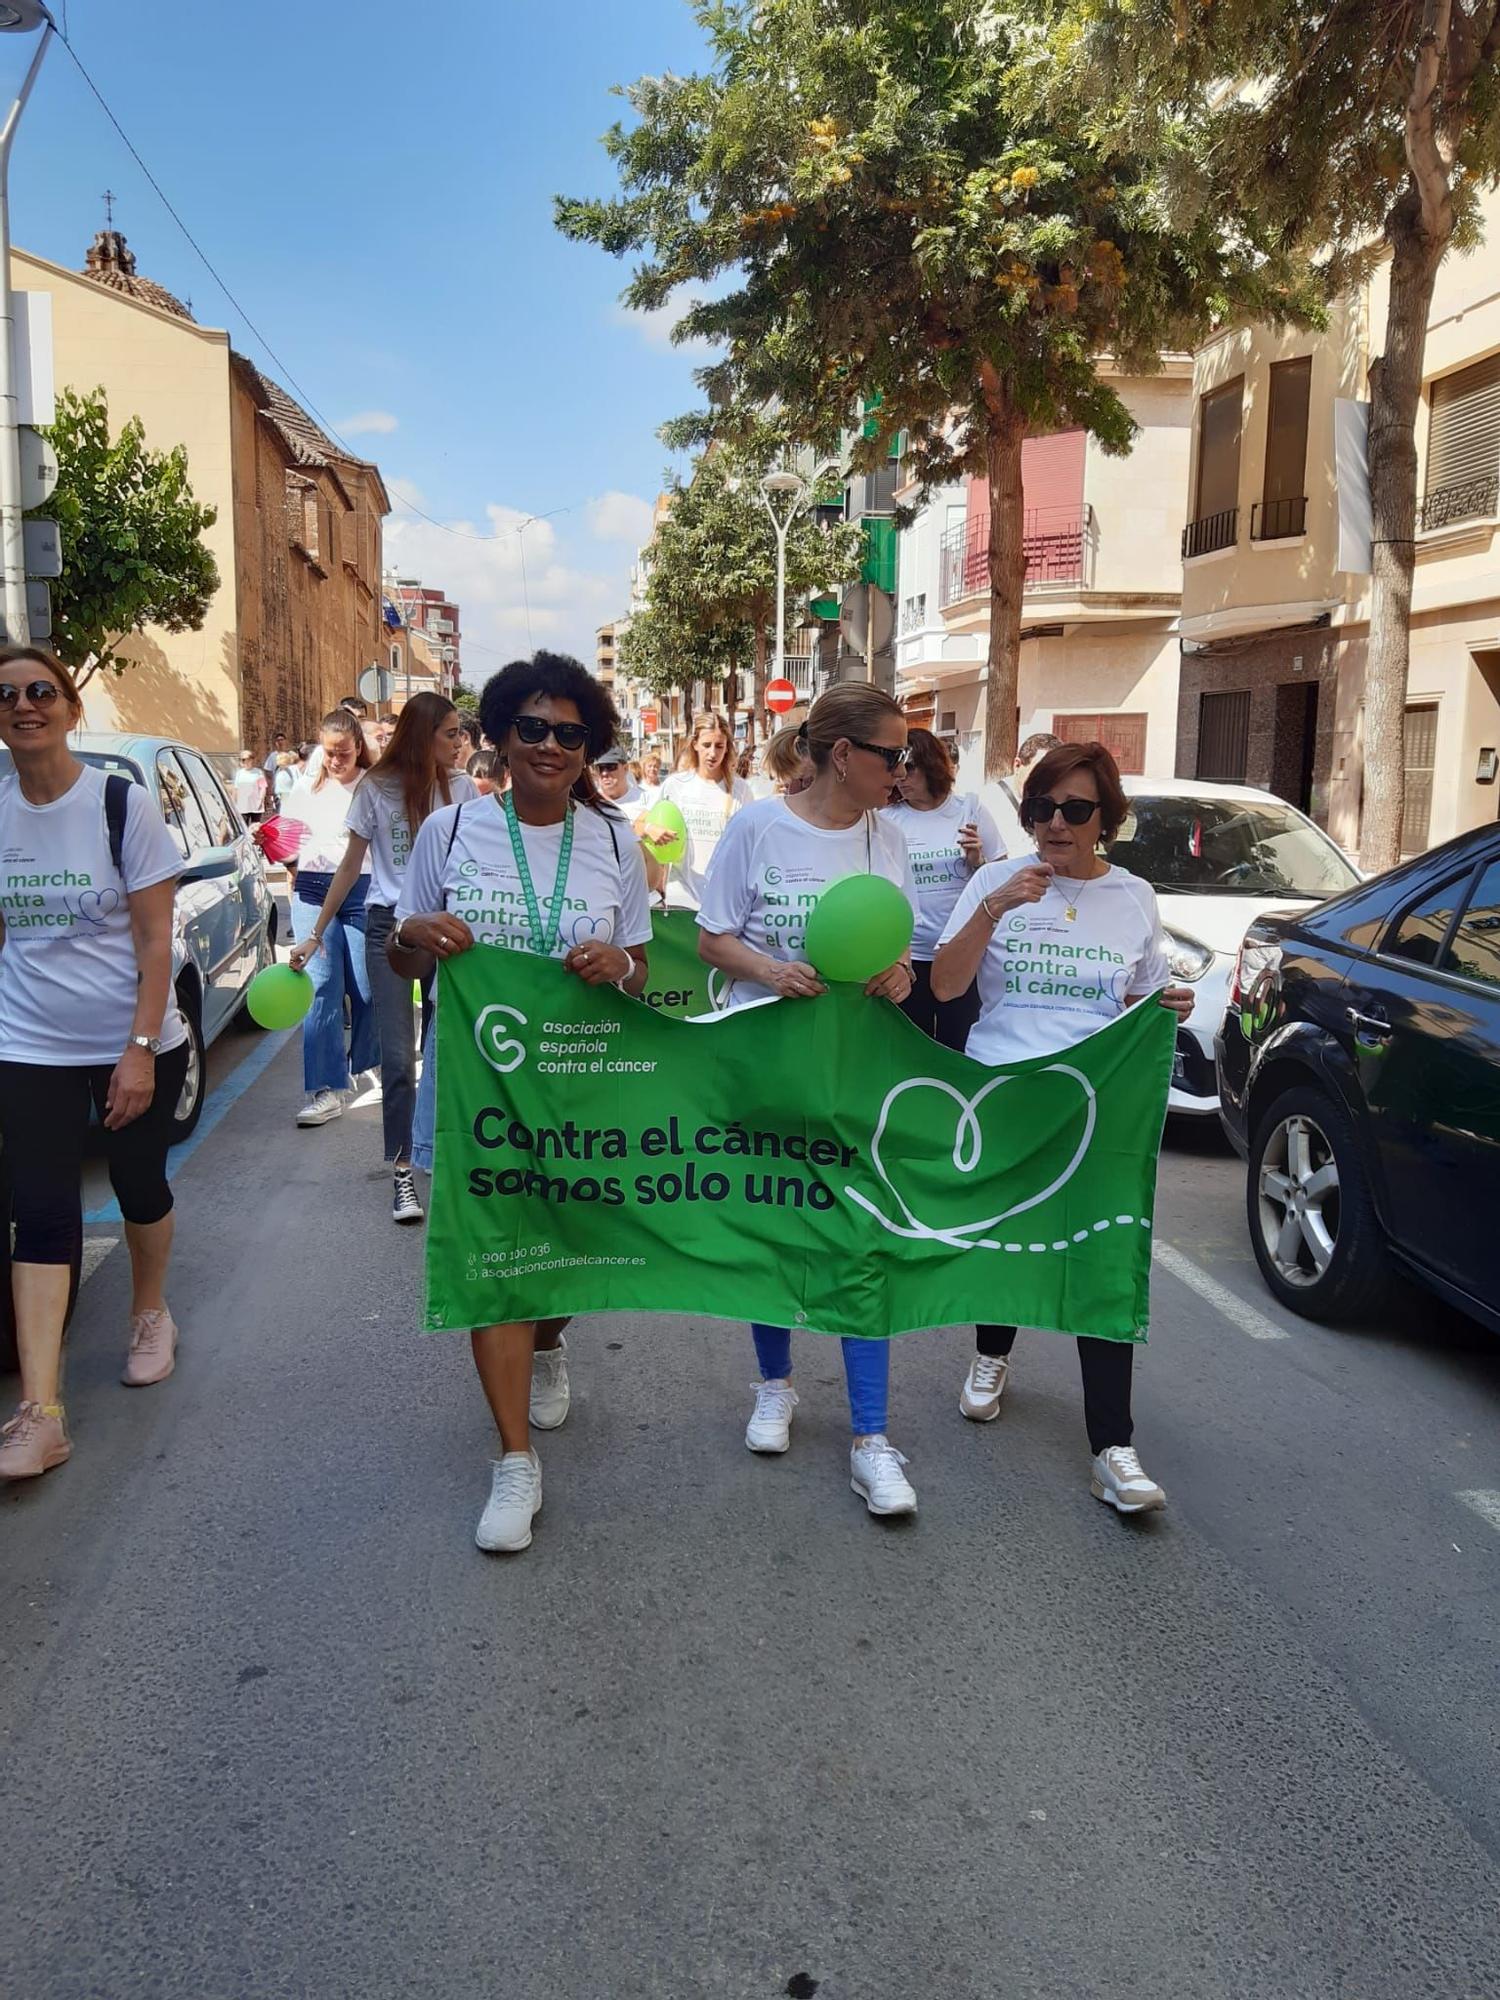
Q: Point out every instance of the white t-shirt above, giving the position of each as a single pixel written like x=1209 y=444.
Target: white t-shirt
x=649 y=795
x=68 y=969
x=1046 y=983
x=633 y=801
x=707 y=809
x=473 y=873
x=250 y=788
x=938 y=866
x=770 y=869
x=322 y=811
x=377 y=812
x=762 y=785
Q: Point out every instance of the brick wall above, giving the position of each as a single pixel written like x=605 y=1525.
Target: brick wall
x=1265 y=663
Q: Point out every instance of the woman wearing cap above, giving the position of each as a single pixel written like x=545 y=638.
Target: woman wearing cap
x=856 y=741
x=1065 y=894
x=947 y=838
x=707 y=792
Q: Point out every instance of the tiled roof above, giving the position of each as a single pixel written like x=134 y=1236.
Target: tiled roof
x=111 y=263
x=308 y=444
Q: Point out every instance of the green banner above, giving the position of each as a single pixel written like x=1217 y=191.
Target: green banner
x=679 y=982
x=810 y=1163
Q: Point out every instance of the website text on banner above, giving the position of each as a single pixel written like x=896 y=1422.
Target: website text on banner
x=817 y=1163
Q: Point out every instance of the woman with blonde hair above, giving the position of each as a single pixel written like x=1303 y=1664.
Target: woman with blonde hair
x=708 y=793
x=855 y=740
x=785 y=764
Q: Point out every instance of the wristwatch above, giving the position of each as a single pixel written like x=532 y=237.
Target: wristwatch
x=151 y=1043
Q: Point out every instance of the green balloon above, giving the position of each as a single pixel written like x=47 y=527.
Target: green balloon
x=668 y=819
x=278 y=997
x=860 y=926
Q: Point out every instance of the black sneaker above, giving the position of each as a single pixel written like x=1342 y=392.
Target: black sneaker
x=405 y=1207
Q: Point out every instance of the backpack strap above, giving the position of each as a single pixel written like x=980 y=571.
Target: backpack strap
x=453 y=830
x=116 y=807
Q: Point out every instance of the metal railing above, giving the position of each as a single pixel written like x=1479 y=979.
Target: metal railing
x=1469 y=500
x=1060 y=545
x=1278 y=520
x=1213 y=531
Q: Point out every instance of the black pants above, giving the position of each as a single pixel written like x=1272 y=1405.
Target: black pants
x=1106 y=1366
x=44 y=1119
x=947 y=1021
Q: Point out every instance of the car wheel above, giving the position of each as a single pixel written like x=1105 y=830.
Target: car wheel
x=1313 y=1226
x=195 y=1082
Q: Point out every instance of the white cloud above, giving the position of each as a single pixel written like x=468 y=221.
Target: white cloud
x=655 y=327
x=368 y=423
x=621 y=517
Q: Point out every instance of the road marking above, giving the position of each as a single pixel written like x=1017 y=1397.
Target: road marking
x=220 y=1100
x=95 y=1250
x=1486 y=1506
x=1228 y=1304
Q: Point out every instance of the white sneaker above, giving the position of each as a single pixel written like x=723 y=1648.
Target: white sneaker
x=770 y=1425
x=405 y=1204
x=876 y=1476
x=321 y=1106
x=1119 y=1480
x=983 y=1387
x=550 y=1394
x=515 y=1499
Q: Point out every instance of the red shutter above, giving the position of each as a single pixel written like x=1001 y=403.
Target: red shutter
x=1052 y=471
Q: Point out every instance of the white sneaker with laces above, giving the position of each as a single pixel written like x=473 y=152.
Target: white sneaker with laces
x=770 y=1425
x=1119 y=1480
x=321 y=1106
x=984 y=1385
x=515 y=1499
x=550 y=1395
x=406 y=1205
x=876 y=1476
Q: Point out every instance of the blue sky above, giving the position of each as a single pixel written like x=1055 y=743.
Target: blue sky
x=374 y=182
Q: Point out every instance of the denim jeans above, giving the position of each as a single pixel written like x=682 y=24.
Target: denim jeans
x=338 y=974
x=424 y=1125
x=867 y=1370
x=396 y=1020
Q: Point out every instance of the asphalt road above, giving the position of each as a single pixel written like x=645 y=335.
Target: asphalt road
x=273 y=1726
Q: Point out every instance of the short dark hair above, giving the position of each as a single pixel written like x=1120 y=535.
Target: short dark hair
x=1035 y=744
x=564 y=679
x=1062 y=763
x=929 y=754
x=355 y=704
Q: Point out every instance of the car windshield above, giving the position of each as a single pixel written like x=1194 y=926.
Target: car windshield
x=107 y=761
x=1229 y=847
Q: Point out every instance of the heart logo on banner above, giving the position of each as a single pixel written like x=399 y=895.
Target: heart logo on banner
x=968 y=1151
x=94 y=905
x=592 y=927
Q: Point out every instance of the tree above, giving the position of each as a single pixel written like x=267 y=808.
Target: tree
x=911 y=231
x=132 y=549
x=1365 y=130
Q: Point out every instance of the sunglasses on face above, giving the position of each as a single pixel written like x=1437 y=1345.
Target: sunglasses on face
x=1039 y=812
x=894 y=759
x=536 y=729
x=41 y=694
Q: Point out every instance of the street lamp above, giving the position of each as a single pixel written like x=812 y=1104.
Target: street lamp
x=783 y=494
x=16 y=17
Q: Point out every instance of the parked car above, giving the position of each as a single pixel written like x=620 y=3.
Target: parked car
x=1359 y=1076
x=226 y=914
x=1218 y=857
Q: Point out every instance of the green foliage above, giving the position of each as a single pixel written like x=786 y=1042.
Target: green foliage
x=667 y=656
x=131 y=530
x=466 y=698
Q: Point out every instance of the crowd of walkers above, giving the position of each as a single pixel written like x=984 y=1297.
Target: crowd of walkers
x=554 y=817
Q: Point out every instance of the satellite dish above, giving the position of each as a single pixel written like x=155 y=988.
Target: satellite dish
x=862 y=603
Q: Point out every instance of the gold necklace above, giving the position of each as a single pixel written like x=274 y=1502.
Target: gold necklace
x=1070 y=903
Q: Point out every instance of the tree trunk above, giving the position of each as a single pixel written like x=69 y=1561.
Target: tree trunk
x=1395 y=393
x=1007 y=567
x=758 y=685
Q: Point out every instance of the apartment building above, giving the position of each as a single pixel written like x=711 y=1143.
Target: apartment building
x=432 y=614
x=1275 y=591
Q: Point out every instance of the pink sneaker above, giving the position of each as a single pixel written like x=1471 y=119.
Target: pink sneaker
x=153 y=1349
x=33 y=1441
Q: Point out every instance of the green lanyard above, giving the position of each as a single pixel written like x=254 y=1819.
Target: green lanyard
x=543 y=941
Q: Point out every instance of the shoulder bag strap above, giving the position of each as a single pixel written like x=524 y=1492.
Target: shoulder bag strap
x=116 y=806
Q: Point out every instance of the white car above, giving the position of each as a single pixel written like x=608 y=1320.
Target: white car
x=1218 y=857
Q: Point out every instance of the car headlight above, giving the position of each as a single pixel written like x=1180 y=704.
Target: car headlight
x=1186 y=957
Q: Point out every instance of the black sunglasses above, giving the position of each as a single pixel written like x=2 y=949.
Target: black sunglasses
x=894 y=759
x=1039 y=812
x=41 y=694
x=536 y=729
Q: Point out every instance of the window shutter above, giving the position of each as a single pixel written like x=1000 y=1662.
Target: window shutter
x=1219 y=450
x=1463 y=445
x=1286 y=432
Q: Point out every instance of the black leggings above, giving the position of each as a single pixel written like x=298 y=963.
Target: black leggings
x=947 y=1021
x=1106 y=1366
x=44 y=1119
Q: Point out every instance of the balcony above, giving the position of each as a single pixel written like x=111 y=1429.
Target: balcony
x=1278 y=520
x=1470 y=500
x=1060 y=544
x=1211 y=532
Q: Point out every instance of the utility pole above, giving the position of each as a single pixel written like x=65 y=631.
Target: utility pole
x=16 y=17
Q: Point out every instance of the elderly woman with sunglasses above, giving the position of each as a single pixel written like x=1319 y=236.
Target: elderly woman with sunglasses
x=1097 y=931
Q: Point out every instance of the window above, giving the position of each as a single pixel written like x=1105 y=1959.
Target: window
x=1283 y=502
x=1474 y=952
x=1418 y=933
x=1217 y=491
x=1123 y=736
x=179 y=808
x=1224 y=736
x=217 y=811
x=1463 y=446
x=1421 y=755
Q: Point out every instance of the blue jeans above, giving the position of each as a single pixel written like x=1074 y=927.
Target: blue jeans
x=867 y=1370
x=424 y=1124
x=338 y=974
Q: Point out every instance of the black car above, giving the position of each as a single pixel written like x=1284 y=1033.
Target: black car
x=1359 y=1077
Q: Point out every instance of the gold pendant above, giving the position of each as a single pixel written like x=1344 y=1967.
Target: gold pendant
x=1071 y=913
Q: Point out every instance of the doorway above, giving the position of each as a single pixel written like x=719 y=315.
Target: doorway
x=1294 y=743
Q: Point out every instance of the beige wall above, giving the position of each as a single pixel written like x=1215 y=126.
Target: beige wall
x=1138 y=501
x=175 y=377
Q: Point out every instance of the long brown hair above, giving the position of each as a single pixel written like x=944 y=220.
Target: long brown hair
x=409 y=764
x=704 y=720
x=339 y=722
